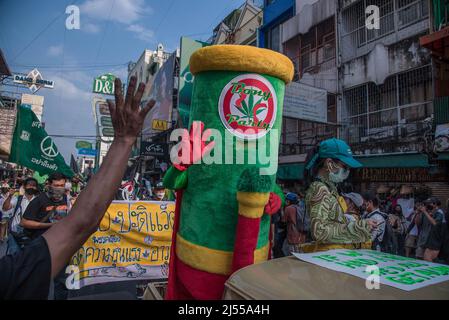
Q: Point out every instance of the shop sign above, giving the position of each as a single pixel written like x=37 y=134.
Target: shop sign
x=34 y=81
x=399 y=175
x=153 y=148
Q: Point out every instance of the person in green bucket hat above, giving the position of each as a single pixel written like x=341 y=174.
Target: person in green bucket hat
x=330 y=164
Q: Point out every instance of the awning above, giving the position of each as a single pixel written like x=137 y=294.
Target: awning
x=443 y=156
x=293 y=171
x=436 y=41
x=395 y=161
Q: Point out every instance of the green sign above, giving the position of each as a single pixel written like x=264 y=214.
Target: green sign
x=106 y=121
x=33 y=148
x=104 y=84
x=107 y=132
x=188 y=46
x=83 y=145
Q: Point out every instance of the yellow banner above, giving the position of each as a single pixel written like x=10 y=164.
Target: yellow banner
x=132 y=243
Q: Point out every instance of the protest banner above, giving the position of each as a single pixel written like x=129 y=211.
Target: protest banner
x=395 y=271
x=132 y=243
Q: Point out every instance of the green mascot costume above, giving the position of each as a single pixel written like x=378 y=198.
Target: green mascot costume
x=226 y=188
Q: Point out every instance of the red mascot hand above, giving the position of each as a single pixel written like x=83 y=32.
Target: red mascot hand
x=273 y=205
x=193 y=146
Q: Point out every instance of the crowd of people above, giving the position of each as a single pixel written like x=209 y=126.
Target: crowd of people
x=28 y=210
x=45 y=225
x=388 y=220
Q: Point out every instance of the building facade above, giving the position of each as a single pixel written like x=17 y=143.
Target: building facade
x=309 y=40
x=146 y=67
x=386 y=91
x=275 y=12
x=240 y=26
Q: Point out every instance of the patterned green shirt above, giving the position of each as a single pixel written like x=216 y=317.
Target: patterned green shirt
x=328 y=222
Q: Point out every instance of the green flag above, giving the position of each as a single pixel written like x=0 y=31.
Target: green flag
x=33 y=148
x=40 y=179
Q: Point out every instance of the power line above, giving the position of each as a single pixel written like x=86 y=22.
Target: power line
x=40 y=33
x=108 y=21
x=165 y=16
x=71 y=67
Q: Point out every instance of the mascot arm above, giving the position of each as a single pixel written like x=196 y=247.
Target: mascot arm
x=175 y=179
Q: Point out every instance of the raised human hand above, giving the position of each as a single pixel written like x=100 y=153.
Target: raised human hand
x=126 y=115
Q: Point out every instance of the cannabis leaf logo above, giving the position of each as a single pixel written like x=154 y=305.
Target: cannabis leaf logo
x=249 y=110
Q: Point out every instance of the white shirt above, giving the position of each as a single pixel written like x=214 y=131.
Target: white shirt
x=408 y=207
x=20 y=211
x=377 y=234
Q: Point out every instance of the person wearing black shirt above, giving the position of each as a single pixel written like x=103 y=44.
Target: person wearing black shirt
x=48 y=208
x=28 y=273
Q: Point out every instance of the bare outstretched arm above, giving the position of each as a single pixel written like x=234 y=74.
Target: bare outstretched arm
x=67 y=236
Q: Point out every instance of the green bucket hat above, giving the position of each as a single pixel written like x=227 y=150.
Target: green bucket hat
x=335 y=149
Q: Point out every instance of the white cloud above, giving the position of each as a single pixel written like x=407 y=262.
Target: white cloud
x=141 y=32
x=123 y=11
x=69 y=90
x=90 y=28
x=55 y=51
x=127 y=12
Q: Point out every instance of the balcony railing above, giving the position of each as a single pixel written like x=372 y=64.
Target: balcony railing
x=406 y=136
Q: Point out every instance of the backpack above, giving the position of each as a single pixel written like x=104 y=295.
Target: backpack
x=14 y=225
x=302 y=219
x=15 y=229
x=386 y=245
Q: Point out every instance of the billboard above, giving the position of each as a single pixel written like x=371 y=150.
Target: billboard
x=105 y=131
x=305 y=102
x=104 y=84
x=36 y=102
x=86 y=152
x=188 y=46
x=161 y=91
x=34 y=80
x=7 y=124
x=83 y=144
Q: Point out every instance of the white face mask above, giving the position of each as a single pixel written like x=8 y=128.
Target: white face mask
x=337 y=177
x=160 y=194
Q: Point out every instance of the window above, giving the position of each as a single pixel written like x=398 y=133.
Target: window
x=274 y=42
x=411 y=11
x=405 y=12
x=299 y=136
x=291 y=50
x=317 y=45
x=153 y=68
x=392 y=110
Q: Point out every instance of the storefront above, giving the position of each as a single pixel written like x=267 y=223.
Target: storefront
x=394 y=171
x=290 y=174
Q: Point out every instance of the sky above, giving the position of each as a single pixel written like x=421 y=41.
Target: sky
x=112 y=33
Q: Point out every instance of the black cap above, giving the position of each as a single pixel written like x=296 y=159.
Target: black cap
x=432 y=200
x=159 y=185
